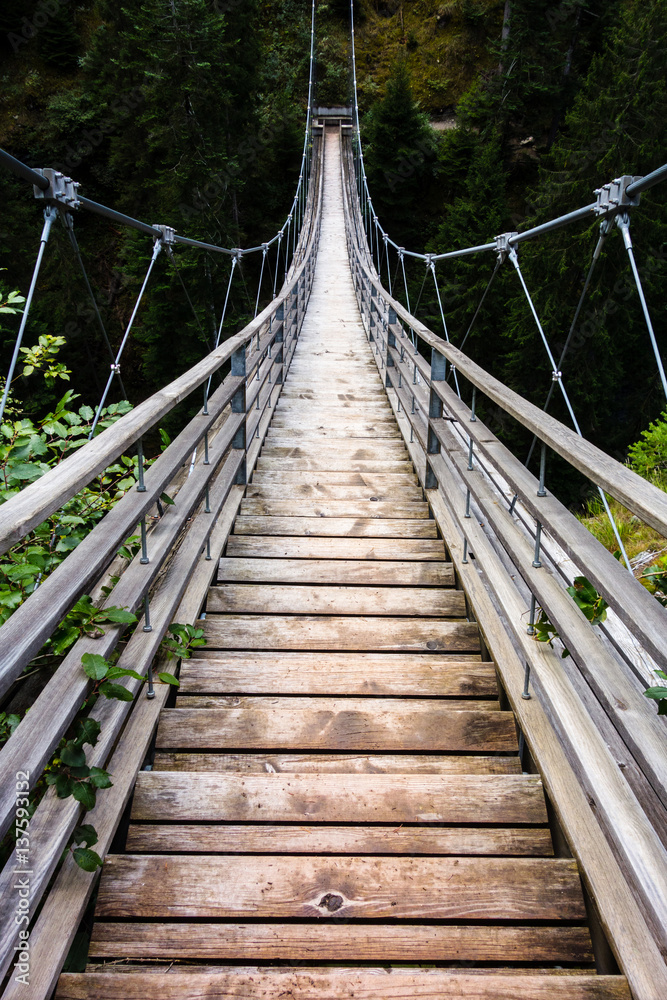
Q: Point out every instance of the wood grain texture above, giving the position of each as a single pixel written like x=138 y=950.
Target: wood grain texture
x=349 y=527
x=333 y=508
x=426 y=675
x=334 y=464
x=333 y=491
x=267 y=598
x=346 y=703
x=225 y=838
x=332 y=942
x=180 y=796
x=346 y=478
x=338 y=571
x=439 y=731
x=336 y=763
x=356 y=451
x=305 y=985
x=339 y=633
x=312 y=547
x=351 y=887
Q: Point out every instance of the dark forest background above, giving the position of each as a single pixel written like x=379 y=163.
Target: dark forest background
x=190 y=113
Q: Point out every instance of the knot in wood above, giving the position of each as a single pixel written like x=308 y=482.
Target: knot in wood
x=331 y=902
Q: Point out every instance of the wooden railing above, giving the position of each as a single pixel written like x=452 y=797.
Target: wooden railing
x=597 y=740
x=182 y=547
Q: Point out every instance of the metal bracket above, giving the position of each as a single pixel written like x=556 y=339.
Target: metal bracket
x=612 y=197
x=168 y=234
x=503 y=245
x=62 y=190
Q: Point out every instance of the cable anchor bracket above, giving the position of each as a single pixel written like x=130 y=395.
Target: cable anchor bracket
x=504 y=246
x=168 y=234
x=613 y=198
x=61 y=191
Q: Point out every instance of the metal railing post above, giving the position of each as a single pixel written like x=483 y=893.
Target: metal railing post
x=438 y=374
x=239 y=406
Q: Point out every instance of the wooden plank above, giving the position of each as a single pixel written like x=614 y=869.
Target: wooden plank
x=336 y=527
x=374 y=887
x=321 y=492
x=345 y=943
x=333 y=464
x=328 y=703
x=336 y=763
x=353 y=571
x=314 y=432
x=334 y=508
x=338 y=673
x=370 y=480
x=225 y=838
x=312 y=547
x=360 y=451
x=362 y=985
x=439 y=731
x=268 y=598
x=340 y=633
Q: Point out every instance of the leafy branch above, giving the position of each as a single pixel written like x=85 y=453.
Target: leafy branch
x=587 y=600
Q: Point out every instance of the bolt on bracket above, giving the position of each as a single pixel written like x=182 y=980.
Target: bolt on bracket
x=62 y=190
x=168 y=234
x=504 y=246
x=613 y=197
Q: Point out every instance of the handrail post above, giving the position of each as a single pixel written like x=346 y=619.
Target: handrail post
x=239 y=406
x=390 y=342
x=438 y=374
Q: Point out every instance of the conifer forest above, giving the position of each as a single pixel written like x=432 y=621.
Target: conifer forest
x=477 y=117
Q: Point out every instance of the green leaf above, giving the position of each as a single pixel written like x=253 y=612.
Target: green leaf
x=73 y=756
x=87 y=731
x=165 y=498
x=86 y=412
x=656 y=692
x=95 y=666
x=64 y=786
x=115 y=691
x=100 y=778
x=85 y=834
x=115 y=672
x=84 y=793
x=118 y=616
x=64 y=639
x=169 y=679
x=87 y=859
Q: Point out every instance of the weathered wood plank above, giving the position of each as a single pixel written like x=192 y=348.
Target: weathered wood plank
x=336 y=527
x=335 y=942
x=333 y=464
x=340 y=633
x=370 y=480
x=312 y=547
x=374 y=887
x=340 y=571
x=427 y=675
x=304 y=985
x=334 y=508
x=319 y=432
x=336 y=763
x=358 y=451
x=267 y=598
x=320 y=492
x=225 y=838
x=318 y=703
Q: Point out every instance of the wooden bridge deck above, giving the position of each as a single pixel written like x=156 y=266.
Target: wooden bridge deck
x=337 y=789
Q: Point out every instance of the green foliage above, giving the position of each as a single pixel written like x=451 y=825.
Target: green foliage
x=399 y=153
x=8 y=723
x=181 y=640
x=70 y=774
x=587 y=599
x=656 y=579
x=659 y=693
x=648 y=456
x=89 y=860
x=41 y=358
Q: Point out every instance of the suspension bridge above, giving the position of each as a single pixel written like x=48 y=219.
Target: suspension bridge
x=372 y=781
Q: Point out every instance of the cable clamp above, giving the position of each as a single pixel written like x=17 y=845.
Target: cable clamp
x=556 y=376
x=168 y=234
x=612 y=197
x=400 y=252
x=115 y=368
x=428 y=260
x=504 y=246
x=62 y=190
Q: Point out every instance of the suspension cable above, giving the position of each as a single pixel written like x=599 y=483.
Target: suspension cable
x=115 y=366
x=49 y=217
